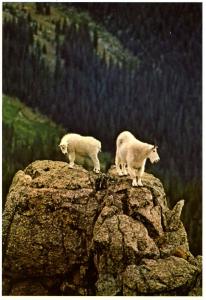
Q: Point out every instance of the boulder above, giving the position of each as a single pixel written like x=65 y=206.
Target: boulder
x=163 y=277
x=73 y=232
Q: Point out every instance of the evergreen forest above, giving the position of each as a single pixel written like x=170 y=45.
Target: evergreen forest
x=102 y=68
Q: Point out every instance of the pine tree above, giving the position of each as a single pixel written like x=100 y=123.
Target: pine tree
x=95 y=39
x=39 y=8
x=47 y=9
x=44 y=49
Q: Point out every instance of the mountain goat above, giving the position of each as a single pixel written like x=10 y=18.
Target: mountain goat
x=72 y=144
x=133 y=153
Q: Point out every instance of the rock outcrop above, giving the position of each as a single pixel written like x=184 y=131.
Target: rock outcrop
x=72 y=232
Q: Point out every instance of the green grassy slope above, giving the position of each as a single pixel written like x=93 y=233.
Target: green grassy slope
x=28 y=125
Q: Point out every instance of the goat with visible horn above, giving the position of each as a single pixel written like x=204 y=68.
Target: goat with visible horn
x=132 y=153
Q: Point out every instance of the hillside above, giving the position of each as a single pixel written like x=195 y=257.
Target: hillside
x=27 y=124
x=48 y=19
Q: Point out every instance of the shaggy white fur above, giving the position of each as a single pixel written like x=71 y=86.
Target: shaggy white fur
x=72 y=144
x=132 y=153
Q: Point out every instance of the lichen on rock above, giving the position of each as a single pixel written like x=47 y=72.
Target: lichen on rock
x=73 y=232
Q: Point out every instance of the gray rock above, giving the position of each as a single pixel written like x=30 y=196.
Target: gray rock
x=73 y=232
x=107 y=285
x=154 y=277
x=28 y=287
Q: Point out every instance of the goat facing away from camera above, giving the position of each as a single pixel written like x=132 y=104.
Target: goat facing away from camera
x=72 y=144
x=131 y=156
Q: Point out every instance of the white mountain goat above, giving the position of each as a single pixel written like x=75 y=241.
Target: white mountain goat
x=72 y=144
x=133 y=153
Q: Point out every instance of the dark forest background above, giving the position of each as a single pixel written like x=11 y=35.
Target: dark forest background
x=151 y=86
